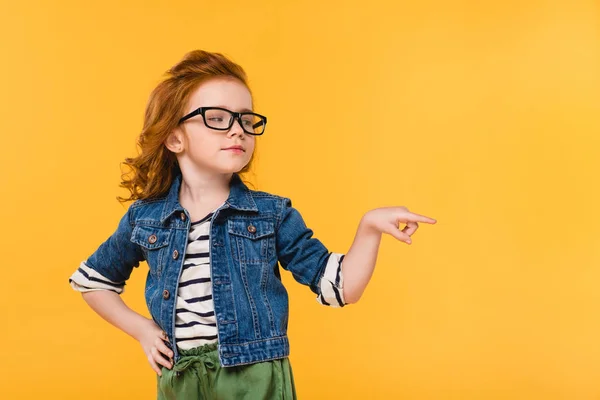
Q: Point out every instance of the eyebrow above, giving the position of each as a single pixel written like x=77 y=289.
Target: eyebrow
x=243 y=110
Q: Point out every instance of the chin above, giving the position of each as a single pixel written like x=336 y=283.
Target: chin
x=232 y=169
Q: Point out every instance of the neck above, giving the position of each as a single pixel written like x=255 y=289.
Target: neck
x=204 y=188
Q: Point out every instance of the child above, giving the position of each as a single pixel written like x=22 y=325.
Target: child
x=213 y=246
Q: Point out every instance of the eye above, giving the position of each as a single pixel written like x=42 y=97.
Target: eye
x=217 y=116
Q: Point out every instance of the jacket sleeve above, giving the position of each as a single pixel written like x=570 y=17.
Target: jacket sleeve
x=307 y=258
x=111 y=264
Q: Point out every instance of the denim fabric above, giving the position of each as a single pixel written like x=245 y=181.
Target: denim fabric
x=251 y=235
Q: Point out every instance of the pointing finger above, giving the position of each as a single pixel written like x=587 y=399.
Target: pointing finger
x=410 y=216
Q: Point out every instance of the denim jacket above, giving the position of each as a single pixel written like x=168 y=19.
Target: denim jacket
x=251 y=234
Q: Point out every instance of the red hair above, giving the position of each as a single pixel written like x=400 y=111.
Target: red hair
x=151 y=173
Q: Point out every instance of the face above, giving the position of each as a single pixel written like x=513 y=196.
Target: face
x=206 y=150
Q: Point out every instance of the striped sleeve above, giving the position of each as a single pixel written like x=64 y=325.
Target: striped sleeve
x=332 y=282
x=86 y=279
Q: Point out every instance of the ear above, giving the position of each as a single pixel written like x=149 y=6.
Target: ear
x=175 y=142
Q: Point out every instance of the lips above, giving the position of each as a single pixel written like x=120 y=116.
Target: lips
x=235 y=148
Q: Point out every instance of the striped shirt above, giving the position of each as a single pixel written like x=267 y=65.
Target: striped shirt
x=195 y=322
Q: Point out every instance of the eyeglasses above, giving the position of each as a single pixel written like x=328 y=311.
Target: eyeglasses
x=222 y=119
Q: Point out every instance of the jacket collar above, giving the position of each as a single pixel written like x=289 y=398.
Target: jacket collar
x=239 y=198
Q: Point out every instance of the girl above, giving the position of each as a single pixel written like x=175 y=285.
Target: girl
x=213 y=246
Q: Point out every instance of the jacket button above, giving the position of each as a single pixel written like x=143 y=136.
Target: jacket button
x=166 y=294
x=175 y=254
x=182 y=216
x=251 y=228
x=152 y=239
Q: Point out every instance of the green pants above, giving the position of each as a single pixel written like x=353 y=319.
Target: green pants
x=199 y=375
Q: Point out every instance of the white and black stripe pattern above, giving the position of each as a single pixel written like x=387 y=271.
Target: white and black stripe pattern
x=86 y=279
x=332 y=283
x=195 y=322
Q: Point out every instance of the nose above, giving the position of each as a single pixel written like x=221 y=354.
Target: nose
x=236 y=129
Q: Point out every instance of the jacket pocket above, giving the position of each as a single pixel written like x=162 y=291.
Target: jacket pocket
x=154 y=243
x=251 y=239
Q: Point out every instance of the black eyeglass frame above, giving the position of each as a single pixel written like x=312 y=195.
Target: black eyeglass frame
x=235 y=116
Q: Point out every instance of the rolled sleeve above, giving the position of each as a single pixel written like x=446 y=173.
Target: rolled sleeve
x=332 y=282
x=86 y=279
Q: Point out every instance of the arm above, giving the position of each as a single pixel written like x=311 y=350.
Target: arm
x=113 y=309
x=359 y=262
x=101 y=279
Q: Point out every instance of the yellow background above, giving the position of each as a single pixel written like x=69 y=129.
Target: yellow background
x=484 y=115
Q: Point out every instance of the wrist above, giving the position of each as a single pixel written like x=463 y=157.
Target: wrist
x=139 y=325
x=367 y=225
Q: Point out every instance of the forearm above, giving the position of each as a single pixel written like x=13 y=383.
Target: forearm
x=113 y=309
x=359 y=262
